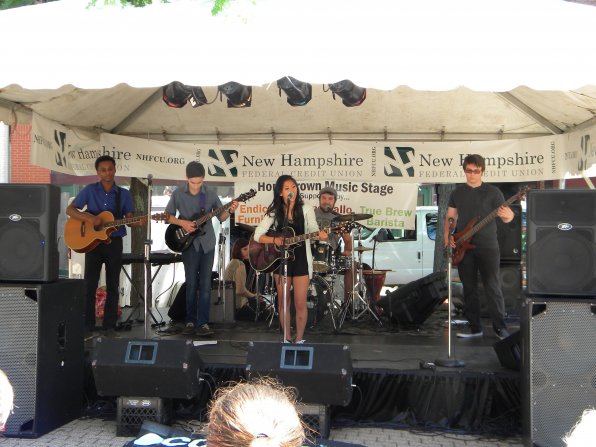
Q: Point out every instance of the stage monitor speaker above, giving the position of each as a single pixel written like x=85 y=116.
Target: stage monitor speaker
x=561 y=243
x=412 y=303
x=558 y=367
x=322 y=373
x=28 y=238
x=146 y=368
x=41 y=352
x=509 y=237
x=509 y=351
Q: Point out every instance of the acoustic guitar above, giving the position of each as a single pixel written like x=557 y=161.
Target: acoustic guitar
x=82 y=237
x=267 y=257
x=462 y=238
x=178 y=240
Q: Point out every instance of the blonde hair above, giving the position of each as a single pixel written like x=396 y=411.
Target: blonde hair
x=260 y=413
x=582 y=435
x=6 y=399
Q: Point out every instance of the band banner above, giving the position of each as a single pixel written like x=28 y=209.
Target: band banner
x=532 y=159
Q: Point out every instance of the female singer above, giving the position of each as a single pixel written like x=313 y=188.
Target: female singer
x=288 y=209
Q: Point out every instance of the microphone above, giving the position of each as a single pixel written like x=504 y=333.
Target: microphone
x=451 y=221
x=149 y=178
x=290 y=196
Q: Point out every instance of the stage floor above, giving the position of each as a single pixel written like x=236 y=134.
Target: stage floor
x=373 y=346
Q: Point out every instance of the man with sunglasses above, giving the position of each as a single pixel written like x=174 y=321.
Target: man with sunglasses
x=476 y=199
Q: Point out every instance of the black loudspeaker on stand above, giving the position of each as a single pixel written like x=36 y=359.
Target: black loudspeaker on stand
x=562 y=243
x=28 y=242
x=41 y=352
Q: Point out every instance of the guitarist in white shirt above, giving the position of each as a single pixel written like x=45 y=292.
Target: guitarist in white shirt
x=468 y=201
x=104 y=195
x=288 y=207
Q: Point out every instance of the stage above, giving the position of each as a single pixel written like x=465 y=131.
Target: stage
x=396 y=381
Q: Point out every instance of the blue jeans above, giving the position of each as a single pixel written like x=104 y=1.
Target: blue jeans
x=197 y=268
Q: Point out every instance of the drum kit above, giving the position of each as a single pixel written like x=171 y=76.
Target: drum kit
x=326 y=295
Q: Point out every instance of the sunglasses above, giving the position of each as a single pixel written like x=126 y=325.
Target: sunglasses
x=473 y=171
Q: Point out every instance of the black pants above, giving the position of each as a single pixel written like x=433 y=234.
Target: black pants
x=486 y=262
x=111 y=256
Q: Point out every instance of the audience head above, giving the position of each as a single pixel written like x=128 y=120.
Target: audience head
x=237 y=248
x=259 y=413
x=582 y=435
x=6 y=399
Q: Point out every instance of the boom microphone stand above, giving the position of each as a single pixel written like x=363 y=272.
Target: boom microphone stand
x=284 y=266
x=449 y=361
x=148 y=294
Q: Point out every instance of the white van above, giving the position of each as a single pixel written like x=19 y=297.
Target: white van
x=408 y=253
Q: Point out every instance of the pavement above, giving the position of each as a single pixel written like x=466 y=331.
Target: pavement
x=102 y=433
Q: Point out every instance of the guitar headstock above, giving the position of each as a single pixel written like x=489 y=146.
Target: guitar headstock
x=522 y=192
x=246 y=196
x=161 y=217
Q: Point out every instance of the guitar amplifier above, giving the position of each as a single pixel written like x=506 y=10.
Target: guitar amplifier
x=222 y=303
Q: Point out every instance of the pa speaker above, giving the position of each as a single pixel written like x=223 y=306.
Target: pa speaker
x=28 y=238
x=557 y=368
x=222 y=304
x=561 y=242
x=413 y=303
x=146 y=368
x=509 y=237
x=511 y=288
x=41 y=352
x=322 y=373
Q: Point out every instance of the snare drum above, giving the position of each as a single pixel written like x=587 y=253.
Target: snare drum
x=321 y=256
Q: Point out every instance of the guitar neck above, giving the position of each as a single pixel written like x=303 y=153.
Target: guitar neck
x=201 y=220
x=120 y=222
x=489 y=218
x=303 y=237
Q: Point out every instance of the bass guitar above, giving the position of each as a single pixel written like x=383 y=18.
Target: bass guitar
x=178 y=240
x=462 y=238
x=267 y=257
x=82 y=237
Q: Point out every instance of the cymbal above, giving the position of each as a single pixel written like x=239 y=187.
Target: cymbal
x=246 y=227
x=361 y=249
x=351 y=217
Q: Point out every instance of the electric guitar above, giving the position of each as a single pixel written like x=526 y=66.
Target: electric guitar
x=462 y=238
x=267 y=257
x=178 y=240
x=82 y=237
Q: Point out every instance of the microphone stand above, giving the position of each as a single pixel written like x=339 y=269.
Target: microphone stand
x=449 y=361
x=221 y=288
x=146 y=257
x=284 y=266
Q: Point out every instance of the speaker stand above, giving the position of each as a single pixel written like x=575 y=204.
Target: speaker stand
x=449 y=362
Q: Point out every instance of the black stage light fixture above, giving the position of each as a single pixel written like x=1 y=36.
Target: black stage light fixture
x=351 y=94
x=299 y=93
x=197 y=97
x=175 y=94
x=238 y=95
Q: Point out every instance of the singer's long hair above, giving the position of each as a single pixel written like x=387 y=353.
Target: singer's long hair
x=277 y=207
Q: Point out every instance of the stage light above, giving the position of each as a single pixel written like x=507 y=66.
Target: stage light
x=351 y=94
x=238 y=95
x=299 y=93
x=197 y=97
x=176 y=94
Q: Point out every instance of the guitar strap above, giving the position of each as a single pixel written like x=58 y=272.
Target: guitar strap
x=118 y=208
x=202 y=199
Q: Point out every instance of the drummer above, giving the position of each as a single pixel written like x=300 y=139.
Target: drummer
x=325 y=215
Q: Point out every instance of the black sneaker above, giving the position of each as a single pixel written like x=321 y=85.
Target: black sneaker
x=471 y=334
x=204 y=330
x=189 y=329
x=502 y=333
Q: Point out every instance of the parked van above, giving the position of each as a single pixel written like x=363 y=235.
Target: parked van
x=408 y=253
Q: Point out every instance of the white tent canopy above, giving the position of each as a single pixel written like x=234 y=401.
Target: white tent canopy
x=434 y=69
